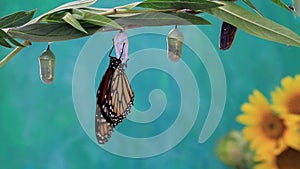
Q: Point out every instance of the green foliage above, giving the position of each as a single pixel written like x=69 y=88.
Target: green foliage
x=13 y=20
x=4 y=43
x=179 y=4
x=96 y=19
x=4 y=36
x=162 y=19
x=77 y=19
x=254 y=24
x=70 y=5
x=70 y=19
x=250 y=4
x=16 y=19
x=280 y=3
x=50 y=32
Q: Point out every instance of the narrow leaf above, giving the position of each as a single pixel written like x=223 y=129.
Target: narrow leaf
x=12 y=40
x=255 y=25
x=97 y=10
x=297 y=6
x=16 y=19
x=73 y=22
x=122 y=15
x=128 y=6
x=250 y=4
x=178 y=4
x=49 y=32
x=162 y=19
x=54 y=17
x=70 y=5
x=4 y=43
x=99 y=20
x=280 y=3
x=76 y=4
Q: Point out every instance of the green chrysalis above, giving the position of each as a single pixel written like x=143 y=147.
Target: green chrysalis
x=47 y=66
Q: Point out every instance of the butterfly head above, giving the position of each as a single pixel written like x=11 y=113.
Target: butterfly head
x=114 y=62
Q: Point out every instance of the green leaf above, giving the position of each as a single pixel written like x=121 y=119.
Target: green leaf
x=96 y=19
x=73 y=22
x=16 y=19
x=250 y=4
x=297 y=6
x=76 y=4
x=97 y=10
x=70 y=5
x=161 y=19
x=12 y=40
x=49 y=32
x=280 y=3
x=254 y=24
x=178 y=4
x=128 y=6
x=122 y=15
x=4 y=43
x=54 y=17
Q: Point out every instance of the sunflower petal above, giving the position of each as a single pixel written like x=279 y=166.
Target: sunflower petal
x=286 y=82
x=247 y=119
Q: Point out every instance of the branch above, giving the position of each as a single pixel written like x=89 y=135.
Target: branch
x=77 y=19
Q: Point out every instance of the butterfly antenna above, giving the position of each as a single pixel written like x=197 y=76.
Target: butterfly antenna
x=122 y=50
x=112 y=48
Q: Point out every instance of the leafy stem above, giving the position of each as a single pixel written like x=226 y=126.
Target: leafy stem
x=77 y=19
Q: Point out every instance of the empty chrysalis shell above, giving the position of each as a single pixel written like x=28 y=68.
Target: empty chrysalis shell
x=47 y=66
x=121 y=43
x=174 y=42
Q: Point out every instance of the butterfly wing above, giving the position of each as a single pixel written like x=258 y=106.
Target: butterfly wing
x=103 y=124
x=114 y=100
x=103 y=128
x=122 y=95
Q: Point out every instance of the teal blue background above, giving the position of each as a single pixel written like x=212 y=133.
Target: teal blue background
x=38 y=123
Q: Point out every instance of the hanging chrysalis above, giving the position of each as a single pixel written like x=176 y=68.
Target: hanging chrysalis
x=121 y=46
x=227 y=35
x=47 y=66
x=174 y=42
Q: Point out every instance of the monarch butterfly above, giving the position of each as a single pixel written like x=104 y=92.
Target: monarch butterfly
x=114 y=99
x=227 y=35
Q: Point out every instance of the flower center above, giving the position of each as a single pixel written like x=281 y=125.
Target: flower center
x=272 y=126
x=294 y=103
x=289 y=159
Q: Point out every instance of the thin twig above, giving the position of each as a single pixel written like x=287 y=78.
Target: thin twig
x=13 y=53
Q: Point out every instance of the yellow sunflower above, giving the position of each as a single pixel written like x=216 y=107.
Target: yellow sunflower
x=265 y=162
x=266 y=132
x=288 y=159
x=287 y=99
x=286 y=102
